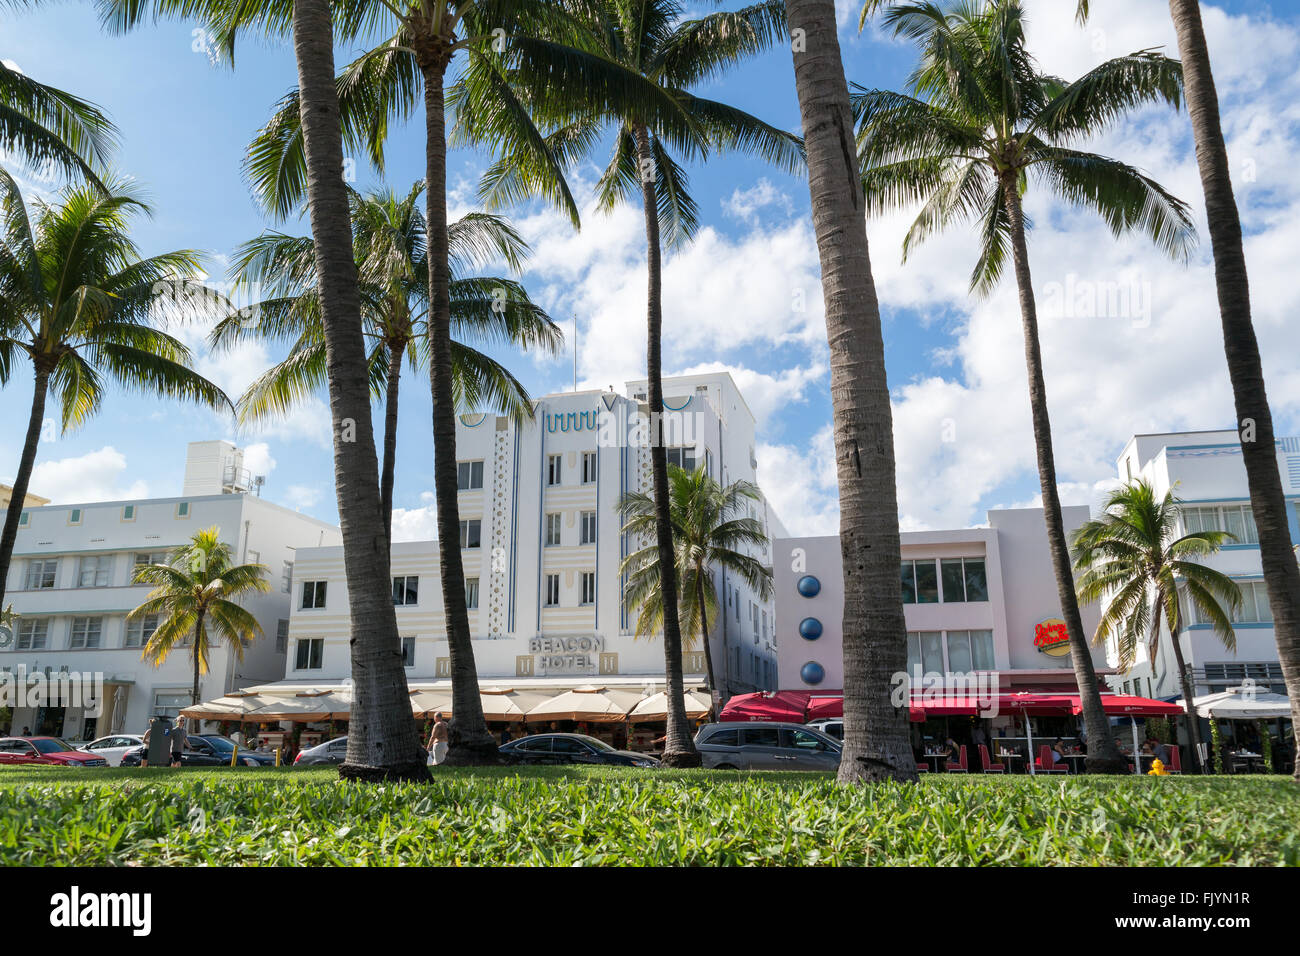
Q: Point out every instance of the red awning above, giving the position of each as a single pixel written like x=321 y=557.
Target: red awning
x=1124 y=705
x=787 y=705
x=823 y=707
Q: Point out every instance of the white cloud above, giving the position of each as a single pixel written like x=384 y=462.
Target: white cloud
x=417 y=524
x=302 y=497
x=744 y=204
x=767 y=394
x=801 y=485
x=258 y=459
x=94 y=476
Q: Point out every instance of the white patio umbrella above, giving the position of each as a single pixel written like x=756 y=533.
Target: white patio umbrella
x=1241 y=704
x=655 y=707
x=593 y=704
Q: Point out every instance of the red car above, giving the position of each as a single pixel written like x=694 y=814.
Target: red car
x=45 y=750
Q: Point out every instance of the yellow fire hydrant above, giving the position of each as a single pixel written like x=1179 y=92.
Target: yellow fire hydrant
x=1157 y=769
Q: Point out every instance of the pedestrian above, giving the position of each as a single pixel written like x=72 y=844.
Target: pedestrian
x=144 y=755
x=438 y=740
x=505 y=734
x=178 y=741
x=27 y=732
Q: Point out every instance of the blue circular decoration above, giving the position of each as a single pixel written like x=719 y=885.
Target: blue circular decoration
x=812 y=673
x=809 y=586
x=810 y=629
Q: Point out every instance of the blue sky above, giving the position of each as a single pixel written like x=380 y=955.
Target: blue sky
x=955 y=365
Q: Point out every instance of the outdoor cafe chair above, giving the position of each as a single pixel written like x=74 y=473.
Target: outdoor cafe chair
x=959 y=765
x=987 y=763
x=1046 y=764
x=922 y=768
x=1175 y=762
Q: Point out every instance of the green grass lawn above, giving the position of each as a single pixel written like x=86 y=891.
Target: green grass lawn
x=563 y=816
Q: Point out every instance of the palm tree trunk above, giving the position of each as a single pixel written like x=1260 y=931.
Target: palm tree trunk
x=876 y=743
x=714 y=691
x=1103 y=755
x=395 y=353
x=1258 y=448
x=198 y=630
x=679 y=748
x=26 y=461
x=468 y=737
x=381 y=745
x=1185 y=682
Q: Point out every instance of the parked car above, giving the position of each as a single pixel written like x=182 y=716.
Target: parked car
x=571 y=749
x=224 y=747
x=332 y=751
x=201 y=752
x=830 y=726
x=49 y=751
x=112 y=748
x=766 y=746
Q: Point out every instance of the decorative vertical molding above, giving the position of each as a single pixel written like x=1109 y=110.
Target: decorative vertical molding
x=502 y=492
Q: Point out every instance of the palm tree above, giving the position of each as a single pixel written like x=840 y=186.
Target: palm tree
x=661 y=55
x=1254 y=417
x=1133 y=558
x=51 y=128
x=79 y=303
x=709 y=527
x=389 y=240
x=981 y=121
x=876 y=741
x=194 y=599
x=380 y=743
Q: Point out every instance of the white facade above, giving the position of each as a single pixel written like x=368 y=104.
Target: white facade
x=70 y=582
x=974 y=600
x=1205 y=470
x=541 y=543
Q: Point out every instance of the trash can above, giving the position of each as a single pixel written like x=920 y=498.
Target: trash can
x=160 y=741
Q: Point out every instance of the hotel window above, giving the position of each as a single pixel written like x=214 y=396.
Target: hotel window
x=140 y=629
x=552 y=590
x=281 y=636
x=588 y=467
x=24 y=518
x=95 y=571
x=970 y=651
x=469 y=476
x=553 y=470
x=313 y=595
x=589 y=527
x=183 y=509
x=74 y=516
x=552 y=530
x=471 y=533
x=168 y=703
x=408 y=652
x=588 y=587
x=149 y=557
x=1254 y=605
x=920 y=582
x=925 y=650
x=40 y=574
x=471 y=593
x=33 y=633
x=310 y=652
x=86 y=632
x=963 y=580
x=406 y=591
x=128 y=512
x=682 y=457
x=286 y=576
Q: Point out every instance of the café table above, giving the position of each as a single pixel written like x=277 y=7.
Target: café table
x=934 y=757
x=1075 y=761
x=1006 y=758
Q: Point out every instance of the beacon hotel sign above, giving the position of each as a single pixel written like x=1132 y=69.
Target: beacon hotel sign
x=576 y=655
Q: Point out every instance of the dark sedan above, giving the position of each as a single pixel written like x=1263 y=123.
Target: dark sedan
x=571 y=749
x=203 y=752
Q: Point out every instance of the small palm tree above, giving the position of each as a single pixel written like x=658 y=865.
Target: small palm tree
x=389 y=239
x=51 y=128
x=194 y=598
x=1133 y=558
x=980 y=123
x=79 y=303
x=709 y=529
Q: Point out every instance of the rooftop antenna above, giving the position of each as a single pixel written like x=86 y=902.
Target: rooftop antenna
x=575 y=351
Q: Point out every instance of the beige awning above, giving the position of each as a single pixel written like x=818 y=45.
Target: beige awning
x=499 y=703
x=594 y=704
x=241 y=707
x=655 y=707
x=307 y=706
